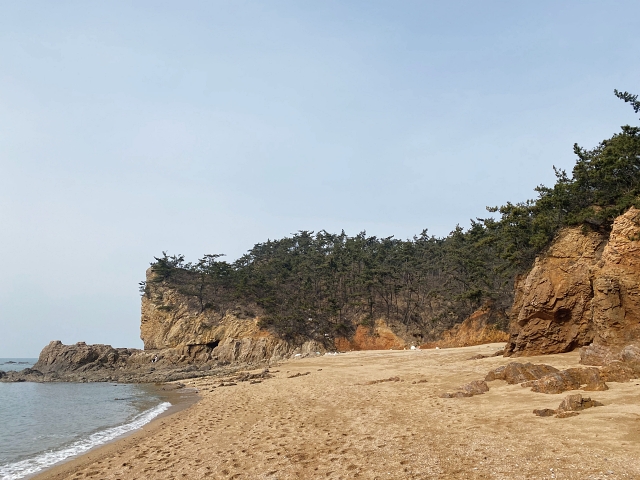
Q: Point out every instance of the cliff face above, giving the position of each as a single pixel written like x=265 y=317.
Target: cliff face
x=381 y=337
x=584 y=289
x=479 y=328
x=175 y=320
x=177 y=316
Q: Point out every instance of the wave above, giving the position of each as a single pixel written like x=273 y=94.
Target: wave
x=17 y=470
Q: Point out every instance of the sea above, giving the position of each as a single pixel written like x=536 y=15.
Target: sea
x=42 y=424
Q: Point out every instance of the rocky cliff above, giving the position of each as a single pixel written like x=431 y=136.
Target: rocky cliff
x=482 y=326
x=585 y=289
x=173 y=319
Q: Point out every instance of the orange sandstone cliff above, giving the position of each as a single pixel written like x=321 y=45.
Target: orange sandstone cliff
x=585 y=289
x=174 y=320
x=482 y=326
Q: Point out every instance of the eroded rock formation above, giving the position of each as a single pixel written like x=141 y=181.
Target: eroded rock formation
x=543 y=378
x=589 y=379
x=175 y=320
x=585 y=289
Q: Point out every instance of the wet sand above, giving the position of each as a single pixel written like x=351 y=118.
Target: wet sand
x=330 y=423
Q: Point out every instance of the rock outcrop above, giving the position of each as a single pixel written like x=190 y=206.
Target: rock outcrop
x=103 y=363
x=616 y=365
x=56 y=357
x=570 y=379
x=569 y=407
x=585 y=289
x=543 y=378
x=515 y=372
x=482 y=326
x=476 y=387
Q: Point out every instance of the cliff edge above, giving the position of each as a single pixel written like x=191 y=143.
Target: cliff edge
x=175 y=319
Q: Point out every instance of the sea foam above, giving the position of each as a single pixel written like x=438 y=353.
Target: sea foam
x=23 y=468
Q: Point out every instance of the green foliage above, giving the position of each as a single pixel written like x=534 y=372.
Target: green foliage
x=317 y=285
x=628 y=98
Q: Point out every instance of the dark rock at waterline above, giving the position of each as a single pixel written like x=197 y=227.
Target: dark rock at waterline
x=103 y=363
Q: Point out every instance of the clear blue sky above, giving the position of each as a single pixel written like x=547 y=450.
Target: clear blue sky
x=128 y=128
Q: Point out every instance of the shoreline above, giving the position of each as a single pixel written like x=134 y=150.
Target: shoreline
x=184 y=398
x=378 y=414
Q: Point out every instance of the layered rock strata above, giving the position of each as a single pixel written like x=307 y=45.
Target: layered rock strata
x=585 y=289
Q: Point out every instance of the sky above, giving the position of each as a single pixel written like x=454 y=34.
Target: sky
x=132 y=128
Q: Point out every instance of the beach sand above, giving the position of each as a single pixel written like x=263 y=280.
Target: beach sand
x=331 y=424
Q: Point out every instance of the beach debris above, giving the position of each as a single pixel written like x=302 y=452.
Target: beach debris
x=390 y=379
x=299 y=375
x=569 y=407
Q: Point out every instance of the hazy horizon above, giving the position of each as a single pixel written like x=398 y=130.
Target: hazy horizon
x=208 y=127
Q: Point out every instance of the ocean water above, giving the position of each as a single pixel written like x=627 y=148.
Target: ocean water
x=8 y=364
x=42 y=424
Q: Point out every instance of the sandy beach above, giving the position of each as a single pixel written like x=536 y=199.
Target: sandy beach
x=327 y=417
